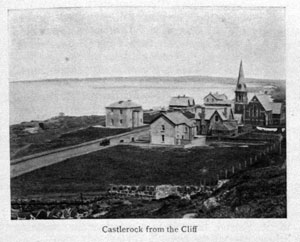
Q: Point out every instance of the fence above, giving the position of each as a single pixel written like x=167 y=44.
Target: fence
x=226 y=173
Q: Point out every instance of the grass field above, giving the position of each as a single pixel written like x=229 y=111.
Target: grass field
x=128 y=165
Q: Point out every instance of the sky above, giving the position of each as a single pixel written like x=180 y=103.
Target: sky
x=170 y=41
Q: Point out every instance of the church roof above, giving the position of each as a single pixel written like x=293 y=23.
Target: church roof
x=264 y=100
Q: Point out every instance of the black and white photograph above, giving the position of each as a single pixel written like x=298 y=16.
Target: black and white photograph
x=124 y=112
x=149 y=120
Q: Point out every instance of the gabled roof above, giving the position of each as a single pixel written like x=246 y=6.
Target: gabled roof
x=276 y=108
x=209 y=111
x=182 y=101
x=218 y=96
x=176 y=118
x=264 y=101
x=124 y=104
x=221 y=114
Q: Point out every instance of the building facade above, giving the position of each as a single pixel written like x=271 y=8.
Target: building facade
x=172 y=128
x=124 y=114
x=259 y=111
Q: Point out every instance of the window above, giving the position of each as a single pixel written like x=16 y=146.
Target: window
x=216 y=118
x=163 y=128
x=112 y=122
x=185 y=129
x=121 y=121
x=121 y=111
x=162 y=138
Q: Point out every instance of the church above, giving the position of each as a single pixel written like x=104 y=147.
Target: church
x=260 y=110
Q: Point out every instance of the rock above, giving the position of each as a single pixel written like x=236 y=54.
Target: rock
x=211 y=204
x=164 y=191
x=42 y=214
x=97 y=215
x=126 y=202
x=221 y=183
x=190 y=215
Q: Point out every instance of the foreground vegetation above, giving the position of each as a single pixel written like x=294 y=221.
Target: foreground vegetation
x=129 y=165
x=258 y=192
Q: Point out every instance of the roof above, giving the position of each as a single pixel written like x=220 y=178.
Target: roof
x=124 y=104
x=240 y=85
x=209 y=111
x=189 y=114
x=264 y=100
x=218 y=96
x=182 y=101
x=276 y=108
x=224 y=126
x=176 y=118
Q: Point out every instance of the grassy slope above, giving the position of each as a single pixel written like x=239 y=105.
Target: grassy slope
x=127 y=165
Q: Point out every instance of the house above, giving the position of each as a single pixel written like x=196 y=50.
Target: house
x=278 y=113
x=217 y=121
x=259 y=110
x=221 y=125
x=172 y=128
x=182 y=103
x=216 y=99
x=124 y=114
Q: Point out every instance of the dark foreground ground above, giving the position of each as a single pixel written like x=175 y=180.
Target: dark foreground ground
x=130 y=165
x=76 y=188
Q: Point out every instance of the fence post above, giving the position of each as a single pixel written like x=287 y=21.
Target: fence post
x=246 y=163
x=233 y=169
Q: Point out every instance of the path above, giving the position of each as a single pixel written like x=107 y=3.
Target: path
x=33 y=162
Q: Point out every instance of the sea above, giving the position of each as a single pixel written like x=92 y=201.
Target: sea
x=41 y=100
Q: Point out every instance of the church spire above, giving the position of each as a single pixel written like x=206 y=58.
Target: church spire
x=241 y=74
x=241 y=86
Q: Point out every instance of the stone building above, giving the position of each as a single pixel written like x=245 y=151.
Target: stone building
x=124 y=114
x=259 y=111
x=172 y=128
